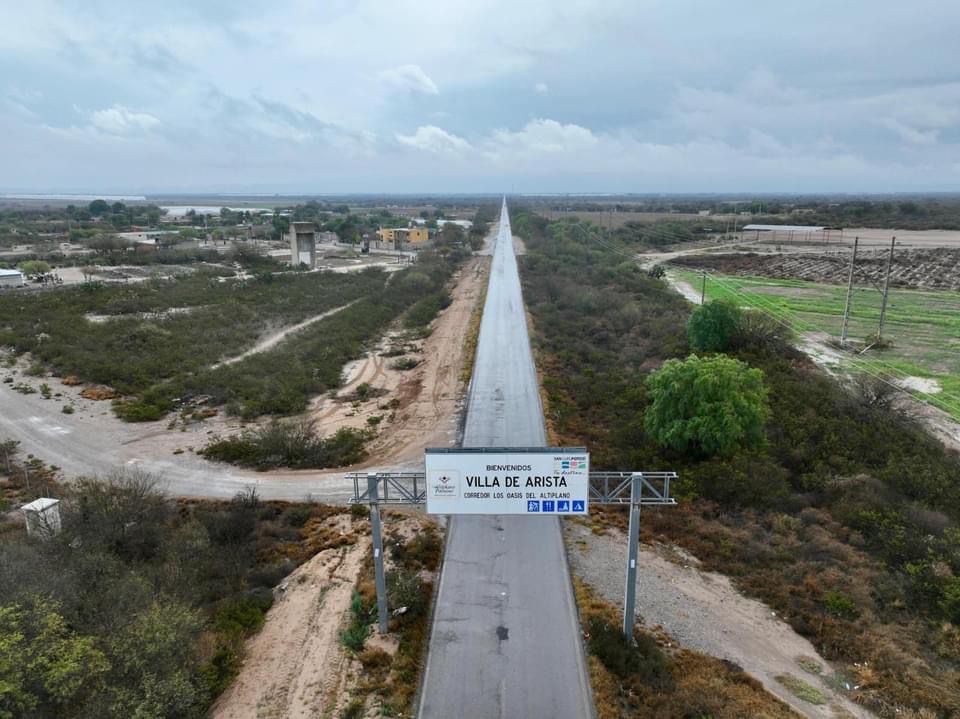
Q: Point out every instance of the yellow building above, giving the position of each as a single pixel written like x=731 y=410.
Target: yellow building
x=406 y=235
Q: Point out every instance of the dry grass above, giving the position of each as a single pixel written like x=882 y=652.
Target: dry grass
x=472 y=335
x=799 y=565
x=697 y=686
x=98 y=392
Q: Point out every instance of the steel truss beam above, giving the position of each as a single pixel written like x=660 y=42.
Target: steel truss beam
x=607 y=488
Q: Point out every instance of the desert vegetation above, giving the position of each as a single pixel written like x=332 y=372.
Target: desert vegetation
x=162 y=338
x=141 y=605
x=846 y=520
x=651 y=676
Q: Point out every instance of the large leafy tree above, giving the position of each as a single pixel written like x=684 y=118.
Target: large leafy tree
x=707 y=406
x=44 y=666
x=713 y=326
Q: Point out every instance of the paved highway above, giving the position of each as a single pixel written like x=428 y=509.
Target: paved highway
x=506 y=640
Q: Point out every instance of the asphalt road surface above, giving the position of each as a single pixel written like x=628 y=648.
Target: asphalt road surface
x=506 y=639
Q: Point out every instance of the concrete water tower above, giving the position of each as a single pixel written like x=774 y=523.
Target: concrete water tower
x=303 y=244
x=43 y=517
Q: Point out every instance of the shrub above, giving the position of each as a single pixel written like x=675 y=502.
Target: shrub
x=36 y=369
x=356 y=633
x=245 y=615
x=68 y=409
x=404 y=363
x=140 y=410
x=406 y=589
x=359 y=511
x=297 y=515
x=641 y=658
x=840 y=605
x=295 y=445
x=709 y=406
x=713 y=326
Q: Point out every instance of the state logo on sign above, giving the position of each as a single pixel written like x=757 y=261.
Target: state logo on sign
x=444 y=483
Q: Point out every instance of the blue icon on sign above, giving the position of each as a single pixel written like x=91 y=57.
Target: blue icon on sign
x=533 y=506
x=578 y=505
x=563 y=505
x=548 y=505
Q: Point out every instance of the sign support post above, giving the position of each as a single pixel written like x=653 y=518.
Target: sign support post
x=633 y=542
x=373 y=496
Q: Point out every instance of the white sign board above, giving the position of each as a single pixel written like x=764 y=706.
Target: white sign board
x=551 y=480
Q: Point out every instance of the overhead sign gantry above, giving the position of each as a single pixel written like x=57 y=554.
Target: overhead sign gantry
x=536 y=480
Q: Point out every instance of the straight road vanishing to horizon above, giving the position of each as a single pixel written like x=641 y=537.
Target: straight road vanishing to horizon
x=505 y=640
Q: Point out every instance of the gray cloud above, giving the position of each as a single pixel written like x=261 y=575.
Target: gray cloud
x=427 y=94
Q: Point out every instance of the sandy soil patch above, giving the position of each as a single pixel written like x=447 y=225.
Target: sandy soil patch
x=920 y=384
x=703 y=611
x=295 y=667
x=163 y=314
x=684 y=288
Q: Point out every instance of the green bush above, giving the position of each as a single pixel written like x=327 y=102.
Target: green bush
x=404 y=363
x=297 y=515
x=244 y=615
x=140 y=410
x=406 y=589
x=355 y=635
x=426 y=309
x=708 y=406
x=295 y=445
x=641 y=658
x=840 y=605
x=713 y=326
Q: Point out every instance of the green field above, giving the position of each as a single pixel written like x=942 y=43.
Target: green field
x=921 y=327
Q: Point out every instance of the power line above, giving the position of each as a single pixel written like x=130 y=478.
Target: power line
x=771 y=310
x=874 y=367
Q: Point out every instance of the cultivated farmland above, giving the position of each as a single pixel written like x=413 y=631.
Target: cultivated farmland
x=921 y=331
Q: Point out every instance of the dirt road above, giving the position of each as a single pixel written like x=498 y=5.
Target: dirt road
x=703 y=611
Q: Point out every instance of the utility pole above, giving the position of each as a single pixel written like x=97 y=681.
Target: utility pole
x=886 y=289
x=633 y=542
x=373 y=494
x=703 y=288
x=846 y=308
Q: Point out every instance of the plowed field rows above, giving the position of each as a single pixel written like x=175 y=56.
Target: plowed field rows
x=917 y=269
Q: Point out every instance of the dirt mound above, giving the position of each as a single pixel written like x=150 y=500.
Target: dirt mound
x=98 y=392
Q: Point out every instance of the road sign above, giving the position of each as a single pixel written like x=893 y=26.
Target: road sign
x=540 y=480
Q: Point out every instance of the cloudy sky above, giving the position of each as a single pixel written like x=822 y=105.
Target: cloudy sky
x=486 y=95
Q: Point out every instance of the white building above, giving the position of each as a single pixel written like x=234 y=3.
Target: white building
x=12 y=278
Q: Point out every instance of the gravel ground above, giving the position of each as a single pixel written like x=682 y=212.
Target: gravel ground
x=704 y=612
